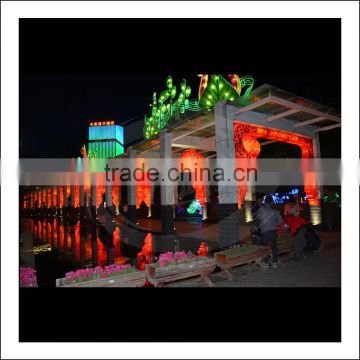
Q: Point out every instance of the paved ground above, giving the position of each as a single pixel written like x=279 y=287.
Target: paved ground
x=194 y=229
x=322 y=269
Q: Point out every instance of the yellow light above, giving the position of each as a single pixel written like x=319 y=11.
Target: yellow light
x=112 y=123
x=95 y=124
x=91 y=124
x=108 y=123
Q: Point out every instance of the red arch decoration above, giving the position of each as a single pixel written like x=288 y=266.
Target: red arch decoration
x=247 y=146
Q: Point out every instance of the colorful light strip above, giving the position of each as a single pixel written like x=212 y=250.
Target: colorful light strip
x=102 y=123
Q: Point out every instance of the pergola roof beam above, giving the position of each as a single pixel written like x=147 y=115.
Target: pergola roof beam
x=195 y=142
x=330 y=127
x=305 y=109
x=282 y=115
x=311 y=121
x=254 y=105
x=194 y=130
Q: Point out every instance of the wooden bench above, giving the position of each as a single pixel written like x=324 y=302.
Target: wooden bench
x=247 y=254
x=201 y=266
x=132 y=279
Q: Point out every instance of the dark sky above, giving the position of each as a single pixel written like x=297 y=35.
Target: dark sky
x=76 y=71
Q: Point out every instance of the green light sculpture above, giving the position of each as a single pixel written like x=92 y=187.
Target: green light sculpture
x=217 y=89
x=194 y=206
x=210 y=92
x=164 y=107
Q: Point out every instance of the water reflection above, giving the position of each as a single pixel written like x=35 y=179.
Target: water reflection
x=61 y=248
x=85 y=245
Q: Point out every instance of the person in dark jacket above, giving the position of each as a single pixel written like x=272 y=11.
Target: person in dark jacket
x=257 y=206
x=255 y=227
x=270 y=219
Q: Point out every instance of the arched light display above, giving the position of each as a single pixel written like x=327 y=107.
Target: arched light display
x=245 y=147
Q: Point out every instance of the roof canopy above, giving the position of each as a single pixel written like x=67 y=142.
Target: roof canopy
x=197 y=129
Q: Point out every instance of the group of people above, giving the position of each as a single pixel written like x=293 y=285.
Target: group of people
x=269 y=224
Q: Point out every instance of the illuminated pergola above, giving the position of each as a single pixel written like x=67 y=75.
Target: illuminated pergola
x=240 y=127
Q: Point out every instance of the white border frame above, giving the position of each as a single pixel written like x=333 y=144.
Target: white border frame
x=12 y=11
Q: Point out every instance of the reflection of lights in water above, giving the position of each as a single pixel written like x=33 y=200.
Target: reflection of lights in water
x=40 y=249
x=60 y=237
x=121 y=260
x=145 y=255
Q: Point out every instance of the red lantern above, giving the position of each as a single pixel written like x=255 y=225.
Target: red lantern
x=203 y=250
x=188 y=160
x=251 y=146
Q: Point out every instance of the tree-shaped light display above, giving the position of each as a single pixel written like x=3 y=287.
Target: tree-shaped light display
x=164 y=107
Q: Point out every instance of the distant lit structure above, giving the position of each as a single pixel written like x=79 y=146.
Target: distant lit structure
x=106 y=139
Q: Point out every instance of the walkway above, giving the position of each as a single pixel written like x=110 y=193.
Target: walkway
x=194 y=229
x=323 y=269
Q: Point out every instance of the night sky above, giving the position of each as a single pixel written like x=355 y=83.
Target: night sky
x=76 y=71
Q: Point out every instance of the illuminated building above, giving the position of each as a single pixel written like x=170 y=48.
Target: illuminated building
x=106 y=139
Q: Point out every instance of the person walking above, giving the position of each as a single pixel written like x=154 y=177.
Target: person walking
x=270 y=219
x=292 y=208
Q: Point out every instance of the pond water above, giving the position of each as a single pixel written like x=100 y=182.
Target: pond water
x=56 y=248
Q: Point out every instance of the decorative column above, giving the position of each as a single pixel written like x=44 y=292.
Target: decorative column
x=152 y=211
x=166 y=191
x=93 y=203
x=82 y=202
x=316 y=209
x=72 y=195
x=248 y=203
x=52 y=193
x=228 y=204
x=46 y=197
x=39 y=198
x=58 y=209
x=206 y=206
x=131 y=193
x=108 y=195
